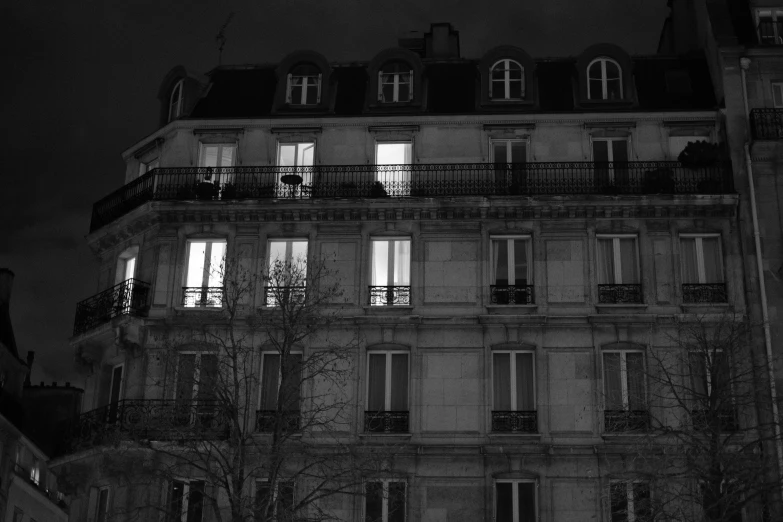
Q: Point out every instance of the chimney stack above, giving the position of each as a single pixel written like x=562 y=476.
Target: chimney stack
x=442 y=42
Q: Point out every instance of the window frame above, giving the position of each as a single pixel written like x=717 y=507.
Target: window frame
x=700 y=267
x=513 y=379
x=515 y=513
x=385 y=497
x=175 y=113
x=603 y=60
x=506 y=81
x=101 y=515
x=146 y=166
x=306 y=85
x=387 y=392
x=624 y=375
x=508 y=142
x=121 y=393
x=776 y=14
x=391 y=266
x=617 y=254
x=202 y=149
x=630 y=513
x=196 y=377
x=275 y=493
x=186 y=482
x=609 y=148
x=511 y=260
x=395 y=82
x=779 y=84
x=264 y=355
x=207 y=270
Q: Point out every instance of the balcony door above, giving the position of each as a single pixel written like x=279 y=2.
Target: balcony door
x=610 y=158
x=196 y=389
x=296 y=162
x=392 y=160
x=115 y=392
x=509 y=157
x=215 y=160
x=387 y=392
x=125 y=274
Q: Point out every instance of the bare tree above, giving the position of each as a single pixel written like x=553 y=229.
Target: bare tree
x=260 y=426
x=704 y=440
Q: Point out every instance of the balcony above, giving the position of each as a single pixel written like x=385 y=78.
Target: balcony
x=268 y=420
x=770 y=32
x=704 y=293
x=202 y=296
x=127 y=298
x=386 y=422
x=766 y=124
x=724 y=420
x=421 y=180
x=620 y=294
x=620 y=421
x=511 y=294
x=515 y=421
x=390 y=295
x=286 y=295
x=148 y=419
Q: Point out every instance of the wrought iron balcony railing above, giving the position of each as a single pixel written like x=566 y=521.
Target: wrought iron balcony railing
x=268 y=420
x=724 y=420
x=149 y=419
x=285 y=295
x=386 y=421
x=766 y=124
x=770 y=32
x=127 y=298
x=511 y=294
x=704 y=293
x=202 y=296
x=390 y=295
x=620 y=294
x=55 y=497
x=515 y=421
x=618 y=421
x=420 y=180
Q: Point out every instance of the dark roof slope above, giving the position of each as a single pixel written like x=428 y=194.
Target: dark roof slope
x=351 y=84
x=238 y=93
x=452 y=87
x=662 y=83
x=556 y=85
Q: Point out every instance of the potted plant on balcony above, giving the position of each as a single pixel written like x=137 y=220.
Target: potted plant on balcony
x=658 y=181
x=699 y=154
x=378 y=190
x=229 y=191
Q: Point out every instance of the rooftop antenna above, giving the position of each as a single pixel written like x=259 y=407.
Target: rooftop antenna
x=221 y=37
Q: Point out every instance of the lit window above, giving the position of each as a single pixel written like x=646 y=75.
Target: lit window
x=217 y=155
x=507 y=81
x=102 y=505
x=514 y=394
x=387 y=392
x=618 y=270
x=630 y=502
x=287 y=271
x=515 y=501
x=278 y=394
x=391 y=266
x=35 y=473
x=204 y=277
x=186 y=501
x=395 y=83
x=384 y=500
x=304 y=85
x=295 y=162
x=511 y=273
x=274 y=504
x=393 y=171
x=625 y=406
x=175 y=101
x=769 y=26
x=604 y=80
x=701 y=263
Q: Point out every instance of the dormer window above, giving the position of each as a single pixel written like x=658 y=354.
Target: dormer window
x=304 y=85
x=175 y=102
x=604 y=80
x=507 y=80
x=769 y=26
x=395 y=83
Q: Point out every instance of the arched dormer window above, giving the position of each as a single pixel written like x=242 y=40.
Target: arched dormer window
x=395 y=83
x=304 y=85
x=507 y=80
x=604 y=79
x=175 y=101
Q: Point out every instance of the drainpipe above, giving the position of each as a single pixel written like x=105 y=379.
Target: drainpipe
x=744 y=64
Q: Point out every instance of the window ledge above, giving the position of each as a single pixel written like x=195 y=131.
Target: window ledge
x=386 y=436
x=510 y=436
x=701 y=308
x=388 y=310
x=606 y=103
x=621 y=308
x=512 y=309
x=199 y=309
x=624 y=436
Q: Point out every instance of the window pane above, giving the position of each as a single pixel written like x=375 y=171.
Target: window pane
x=196 y=501
x=404 y=91
x=196 y=257
x=185 y=373
x=525 y=393
x=500 y=250
x=227 y=156
x=276 y=252
x=612 y=384
x=399 y=384
x=614 y=91
x=600 y=150
x=285 y=501
x=103 y=505
x=209 y=155
x=396 y=502
x=312 y=92
x=299 y=256
x=619 y=150
x=634 y=363
x=306 y=154
x=130 y=267
x=518 y=151
x=393 y=153
x=713 y=266
x=618 y=502
x=504 y=504
x=296 y=91
x=515 y=90
x=216 y=262
x=499 y=152
x=380 y=263
x=605 y=261
x=208 y=376
x=698 y=370
x=520 y=261
x=688 y=260
x=176 y=498
x=262 y=501
x=527 y=501
x=292 y=382
x=287 y=155
x=596 y=90
x=373 y=503
x=641 y=501
x=269 y=381
x=628 y=263
x=376 y=383
x=501 y=381
x=402 y=262
x=612 y=71
x=388 y=91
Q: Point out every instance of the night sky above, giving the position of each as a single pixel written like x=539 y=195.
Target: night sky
x=81 y=81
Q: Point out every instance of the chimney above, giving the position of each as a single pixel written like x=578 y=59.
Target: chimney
x=413 y=41
x=442 y=42
x=6 y=330
x=30 y=359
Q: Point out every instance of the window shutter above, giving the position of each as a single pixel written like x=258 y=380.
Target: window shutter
x=318 y=97
x=288 y=89
x=410 y=94
x=380 y=86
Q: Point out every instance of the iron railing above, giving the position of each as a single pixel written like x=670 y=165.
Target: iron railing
x=55 y=497
x=704 y=293
x=202 y=296
x=620 y=294
x=149 y=419
x=511 y=294
x=127 y=298
x=770 y=32
x=618 y=421
x=274 y=295
x=515 y=421
x=390 y=295
x=766 y=124
x=420 y=180
x=386 y=421
x=268 y=420
x=724 y=420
